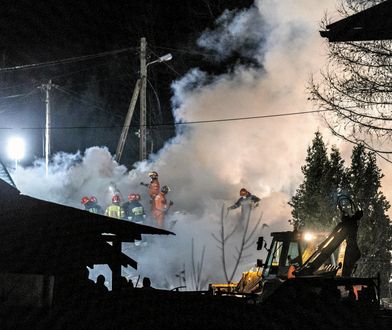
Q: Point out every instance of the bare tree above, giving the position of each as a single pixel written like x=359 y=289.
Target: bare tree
x=354 y=92
x=246 y=240
x=197 y=270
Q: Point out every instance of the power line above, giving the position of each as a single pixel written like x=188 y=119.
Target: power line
x=185 y=51
x=255 y=117
x=184 y=123
x=85 y=100
x=66 y=60
x=16 y=95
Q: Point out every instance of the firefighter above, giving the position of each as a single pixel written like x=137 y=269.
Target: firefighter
x=133 y=209
x=247 y=201
x=160 y=206
x=115 y=210
x=154 y=186
x=85 y=201
x=94 y=207
x=88 y=204
x=350 y=216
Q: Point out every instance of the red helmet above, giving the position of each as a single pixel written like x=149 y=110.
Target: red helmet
x=84 y=200
x=93 y=199
x=244 y=192
x=132 y=197
x=116 y=199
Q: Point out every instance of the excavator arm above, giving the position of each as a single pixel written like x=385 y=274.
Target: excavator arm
x=342 y=231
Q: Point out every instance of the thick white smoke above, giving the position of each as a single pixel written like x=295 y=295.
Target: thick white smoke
x=208 y=163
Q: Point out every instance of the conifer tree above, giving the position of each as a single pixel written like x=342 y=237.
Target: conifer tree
x=312 y=201
x=314 y=204
x=374 y=234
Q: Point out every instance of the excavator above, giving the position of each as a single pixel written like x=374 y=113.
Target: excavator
x=312 y=262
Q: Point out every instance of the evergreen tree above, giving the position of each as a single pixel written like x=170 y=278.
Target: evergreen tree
x=314 y=204
x=336 y=180
x=313 y=199
x=374 y=234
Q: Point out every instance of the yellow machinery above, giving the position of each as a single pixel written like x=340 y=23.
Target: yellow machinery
x=303 y=262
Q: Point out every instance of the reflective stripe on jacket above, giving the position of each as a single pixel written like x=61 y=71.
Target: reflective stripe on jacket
x=115 y=211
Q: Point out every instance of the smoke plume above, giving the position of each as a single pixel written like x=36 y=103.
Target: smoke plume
x=206 y=164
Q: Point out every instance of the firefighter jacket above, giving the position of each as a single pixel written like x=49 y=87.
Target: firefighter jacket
x=249 y=201
x=115 y=211
x=134 y=211
x=94 y=208
x=159 y=208
x=154 y=188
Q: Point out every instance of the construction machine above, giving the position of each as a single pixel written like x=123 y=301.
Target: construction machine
x=300 y=261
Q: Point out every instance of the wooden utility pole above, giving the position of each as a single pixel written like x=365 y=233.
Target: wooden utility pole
x=143 y=108
x=127 y=123
x=141 y=85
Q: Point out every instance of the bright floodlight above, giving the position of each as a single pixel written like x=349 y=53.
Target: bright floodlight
x=165 y=58
x=16 y=148
x=308 y=237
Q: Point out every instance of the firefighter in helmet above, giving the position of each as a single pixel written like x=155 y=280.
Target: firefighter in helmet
x=154 y=186
x=247 y=201
x=133 y=209
x=115 y=210
x=350 y=216
x=94 y=207
x=85 y=201
x=161 y=207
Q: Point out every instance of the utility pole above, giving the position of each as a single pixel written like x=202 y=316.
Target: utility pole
x=47 y=87
x=143 y=108
x=127 y=123
x=140 y=88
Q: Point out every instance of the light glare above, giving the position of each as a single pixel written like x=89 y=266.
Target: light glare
x=16 y=148
x=308 y=237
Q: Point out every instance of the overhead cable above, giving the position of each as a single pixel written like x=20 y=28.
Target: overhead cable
x=66 y=60
x=187 y=123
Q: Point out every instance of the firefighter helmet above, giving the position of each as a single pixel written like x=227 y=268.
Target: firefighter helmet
x=165 y=189
x=153 y=175
x=244 y=192
x=93 y=199
x=116 y=199
x=132 y=197
x=84 y=200
x=346 y=205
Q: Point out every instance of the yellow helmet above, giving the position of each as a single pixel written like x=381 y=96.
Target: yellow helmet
x=153 y=175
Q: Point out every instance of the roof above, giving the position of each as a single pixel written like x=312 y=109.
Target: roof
x=4 y=175
x=374 y=23
x=42 y=237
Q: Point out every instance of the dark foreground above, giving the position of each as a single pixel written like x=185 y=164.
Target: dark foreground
x=155 y=309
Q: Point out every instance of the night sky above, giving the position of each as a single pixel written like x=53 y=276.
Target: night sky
x=94 y=94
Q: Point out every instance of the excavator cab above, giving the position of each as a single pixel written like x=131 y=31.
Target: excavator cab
x=289 y=250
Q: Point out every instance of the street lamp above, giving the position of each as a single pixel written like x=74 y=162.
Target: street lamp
x=16 y=149
x=164 y=58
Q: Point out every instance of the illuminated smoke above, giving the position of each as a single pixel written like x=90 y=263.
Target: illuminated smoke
x=205 y=165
